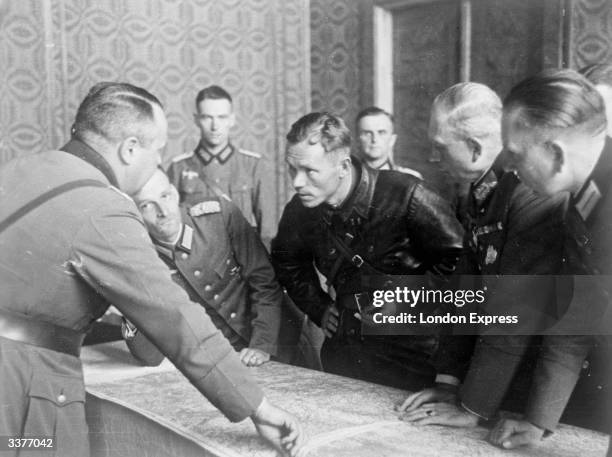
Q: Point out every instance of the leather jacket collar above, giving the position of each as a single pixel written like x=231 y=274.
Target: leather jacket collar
x=359 y=200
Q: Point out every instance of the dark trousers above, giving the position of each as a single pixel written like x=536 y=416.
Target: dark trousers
x=403 y=362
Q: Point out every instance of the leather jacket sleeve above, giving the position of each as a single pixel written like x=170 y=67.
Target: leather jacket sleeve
x=293 y=261
x=436 y=233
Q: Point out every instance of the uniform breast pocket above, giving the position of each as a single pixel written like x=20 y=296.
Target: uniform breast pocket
x=56 y=407
x=228 y=269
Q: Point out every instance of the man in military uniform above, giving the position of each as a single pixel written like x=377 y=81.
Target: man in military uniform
x=355 y=224
x=218 y=168
x=220 y=261
x=376 y=136
x=72 y=242
x=555 y=133
x=510 y=231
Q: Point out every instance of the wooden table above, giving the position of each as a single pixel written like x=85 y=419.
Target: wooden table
x=139 y=411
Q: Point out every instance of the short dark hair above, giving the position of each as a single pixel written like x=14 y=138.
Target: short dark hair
x=558 y=99
x=372 y=111
x=328 y=129
x=115 y=111
x=598 y=73
x=213 y=93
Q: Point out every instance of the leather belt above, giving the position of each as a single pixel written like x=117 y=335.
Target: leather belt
x=17 y=327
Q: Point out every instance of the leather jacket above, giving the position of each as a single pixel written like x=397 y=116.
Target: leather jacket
x=393 y=221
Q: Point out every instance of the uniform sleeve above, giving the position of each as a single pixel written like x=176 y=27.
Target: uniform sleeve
x=263 y=204
x=532 y=249
x=112 y=252
x=293 y=262
x=144 y=351
x=452 y=358
x=435 y=230
x=264 y=291
x=555 y=376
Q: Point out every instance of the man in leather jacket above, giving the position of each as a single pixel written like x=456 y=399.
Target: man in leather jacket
x=353 y=223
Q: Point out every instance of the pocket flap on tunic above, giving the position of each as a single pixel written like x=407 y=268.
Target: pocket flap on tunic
x=61 y=390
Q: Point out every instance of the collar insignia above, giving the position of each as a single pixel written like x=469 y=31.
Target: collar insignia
x=186 y=239
x=587 y=201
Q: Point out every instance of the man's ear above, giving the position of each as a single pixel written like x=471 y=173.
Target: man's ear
x=475 y=148
x=127 y=150
x=345 y=166
x=392 y=141
x=558 y=155
x=232 y=120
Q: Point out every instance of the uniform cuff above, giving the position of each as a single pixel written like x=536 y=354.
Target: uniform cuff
x=231 y=389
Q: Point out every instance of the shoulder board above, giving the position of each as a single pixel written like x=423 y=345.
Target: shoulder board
x=256 y=155
x=123 y=194
x=180 y=157
x=207 y=207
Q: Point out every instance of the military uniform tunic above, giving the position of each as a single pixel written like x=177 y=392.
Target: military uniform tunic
x=234 y=174
x=62 y=263
x=222 y=264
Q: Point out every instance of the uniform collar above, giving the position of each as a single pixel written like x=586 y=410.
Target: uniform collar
x=597 y=185
x=359 y=200
x=206 y=156
x=84 y=152
x=387 y=165
x=184 y=243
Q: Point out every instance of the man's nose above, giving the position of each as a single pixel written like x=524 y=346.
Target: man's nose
x=214 y=124
x=299 y=180
x=162 y=210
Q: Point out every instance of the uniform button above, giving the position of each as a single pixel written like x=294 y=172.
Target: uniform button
x=351 y=332
x=216 y=179
x=216 y=297
x=207 y=287
x=332 y=251
x=61 y=398
x=370 y=248
x=228 y=261
x=184 y=255
x=585 y=365
x=232 y=316
x=197 y=273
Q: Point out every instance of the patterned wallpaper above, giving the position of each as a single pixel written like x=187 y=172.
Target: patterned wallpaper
x=335 y=27
x=591 y=31
x=52 y=51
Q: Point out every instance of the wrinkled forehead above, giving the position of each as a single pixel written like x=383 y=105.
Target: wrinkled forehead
x=307 y=154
